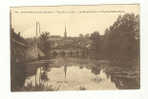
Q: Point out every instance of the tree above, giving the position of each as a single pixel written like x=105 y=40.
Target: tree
x=44 y=43
x=87 y=35
x=81 y=35
x=120 y=39
x=96 y=44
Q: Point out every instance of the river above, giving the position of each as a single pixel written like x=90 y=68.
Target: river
x=79 y=77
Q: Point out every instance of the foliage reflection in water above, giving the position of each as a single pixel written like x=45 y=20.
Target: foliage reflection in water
x=77 y=78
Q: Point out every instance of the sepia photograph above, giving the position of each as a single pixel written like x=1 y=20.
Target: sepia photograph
x=66 y=48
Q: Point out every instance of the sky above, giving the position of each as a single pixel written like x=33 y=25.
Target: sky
x=77 y=19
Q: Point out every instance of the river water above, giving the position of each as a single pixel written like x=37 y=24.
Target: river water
x=76 y=78
x=80 y=77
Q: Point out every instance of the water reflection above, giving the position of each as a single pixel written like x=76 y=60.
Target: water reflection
x=125 y=82
x=71 y=78
x=65 y=69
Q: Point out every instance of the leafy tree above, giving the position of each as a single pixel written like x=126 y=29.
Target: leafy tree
x=81 y=35
x=44 y=43
x=96 y=44
x=121 y=39
x=87 y=35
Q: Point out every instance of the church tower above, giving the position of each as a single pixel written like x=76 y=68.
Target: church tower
x=65 y=33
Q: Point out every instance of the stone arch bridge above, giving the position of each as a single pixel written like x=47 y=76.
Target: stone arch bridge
x=69 y=52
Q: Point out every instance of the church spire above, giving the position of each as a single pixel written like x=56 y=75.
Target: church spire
x=65 y=33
